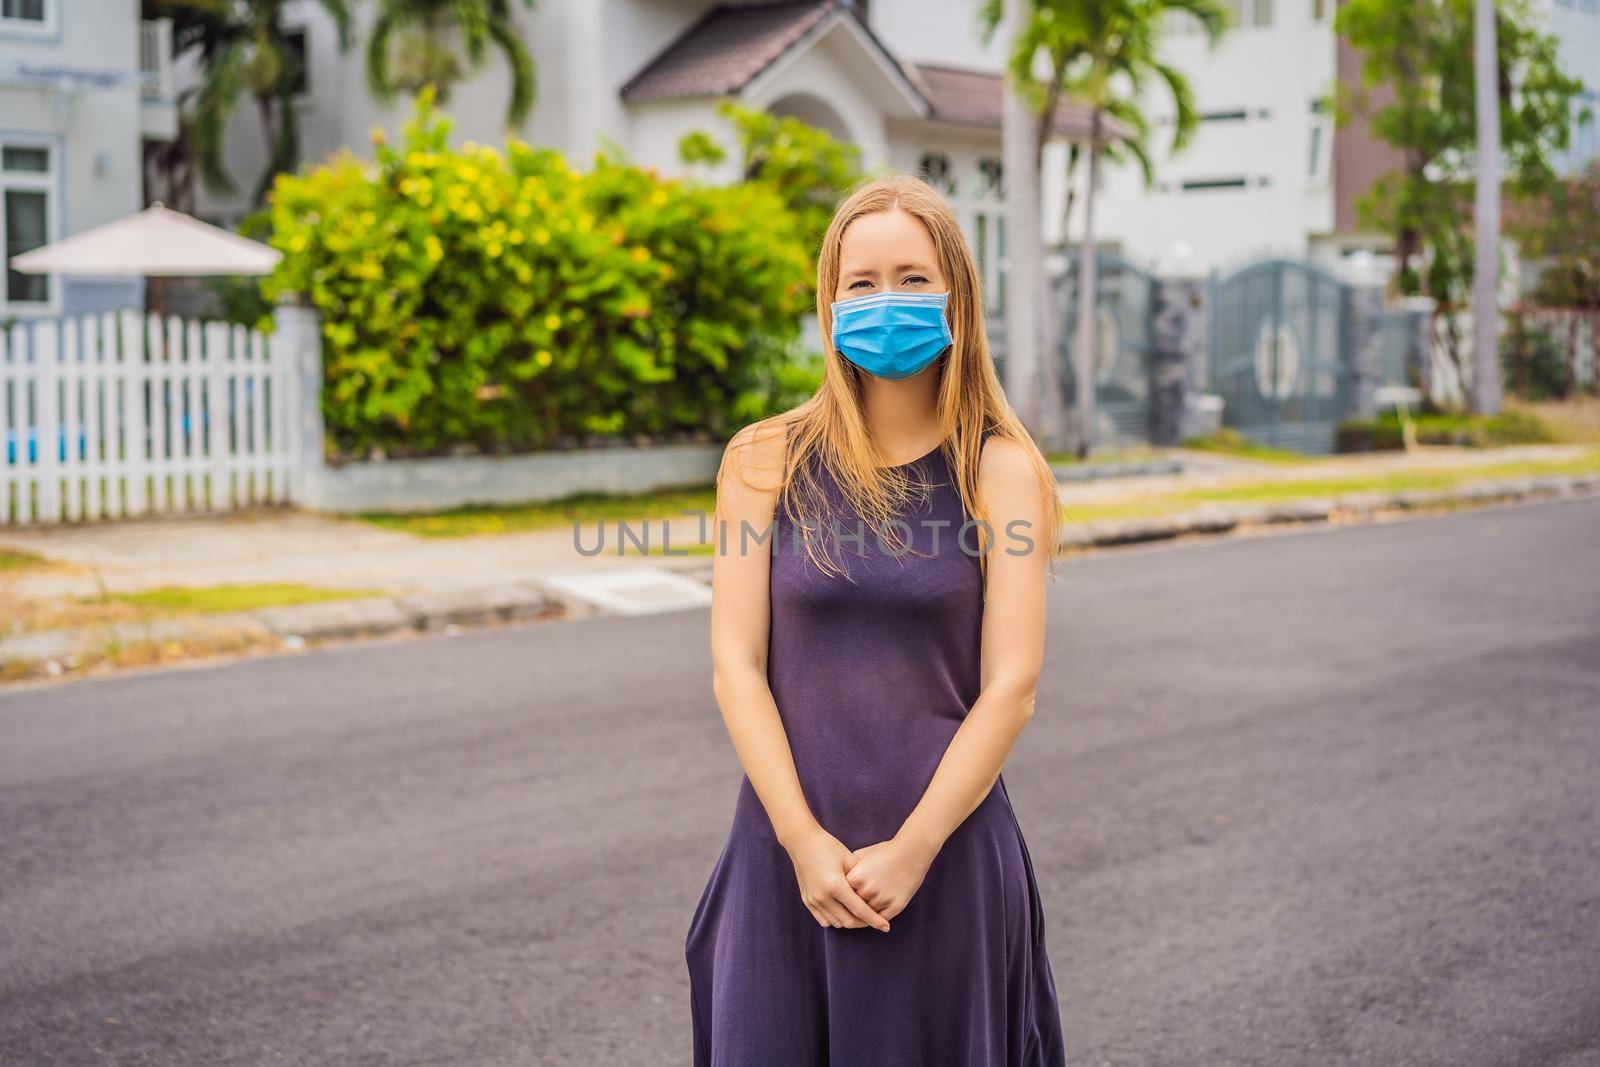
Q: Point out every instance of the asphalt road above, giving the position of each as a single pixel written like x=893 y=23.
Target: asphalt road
x=1318 y=798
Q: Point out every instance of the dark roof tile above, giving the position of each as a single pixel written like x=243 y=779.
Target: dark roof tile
x=723 y=51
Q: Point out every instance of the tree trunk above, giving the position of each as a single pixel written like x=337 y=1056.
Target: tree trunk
x=1486 y=229
x=1569 y=358
x=1088 y=282
x=1024 y=247
x=269 y=124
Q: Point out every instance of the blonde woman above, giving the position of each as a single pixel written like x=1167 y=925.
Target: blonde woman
x=877 y=629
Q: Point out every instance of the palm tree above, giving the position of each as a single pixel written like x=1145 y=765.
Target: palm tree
x=415 y=31
x=244 y=48
x=1102 y=54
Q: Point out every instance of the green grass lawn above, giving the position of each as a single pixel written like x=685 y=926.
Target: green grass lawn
x=11 y=560
x=1230 y=442
x=480 y=520
x=1301 y=488
x=223 y=599
x=21 y=613
x=1126 y=455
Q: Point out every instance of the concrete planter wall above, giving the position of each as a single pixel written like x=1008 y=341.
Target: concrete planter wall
x=446 y=482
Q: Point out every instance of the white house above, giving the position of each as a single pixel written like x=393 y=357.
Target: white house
x=1576 y=25
x=83 y=83
x=907 y=81
x=1268 y=173
x=1259 y=176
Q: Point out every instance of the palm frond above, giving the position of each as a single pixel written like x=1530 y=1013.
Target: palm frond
x=524 y=83
x=222 y=81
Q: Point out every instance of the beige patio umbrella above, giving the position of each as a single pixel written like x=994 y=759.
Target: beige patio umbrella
x=154 y=243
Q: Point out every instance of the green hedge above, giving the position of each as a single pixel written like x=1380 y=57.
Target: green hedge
x=505 y=301
x=1477 y=431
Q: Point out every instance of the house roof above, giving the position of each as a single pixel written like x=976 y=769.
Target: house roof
x=730 y=45
x=965 y=97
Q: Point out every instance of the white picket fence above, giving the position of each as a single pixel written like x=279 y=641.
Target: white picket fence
x=125 y=414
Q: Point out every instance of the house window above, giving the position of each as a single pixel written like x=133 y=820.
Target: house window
x=1197 y=185
x=28 y=16
x=991 y=179
x=22 y=10
x=936 y=171
x=26 y=191
x=1321 y=131
x=990 y=251
x=981 y=239
x=1248 y=13
x=299 y=55
x=1000 y=271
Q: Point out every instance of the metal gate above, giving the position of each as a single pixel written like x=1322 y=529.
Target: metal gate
x=1123 y=308
x=1280 y=353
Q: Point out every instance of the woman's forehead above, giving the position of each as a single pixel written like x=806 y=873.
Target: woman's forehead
x=892 y=232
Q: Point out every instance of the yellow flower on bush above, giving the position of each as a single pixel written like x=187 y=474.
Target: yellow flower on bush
x=552 y=322
x=544 y=358
x=432 y=248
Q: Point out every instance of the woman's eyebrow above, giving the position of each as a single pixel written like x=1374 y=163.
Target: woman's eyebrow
x=867 y=272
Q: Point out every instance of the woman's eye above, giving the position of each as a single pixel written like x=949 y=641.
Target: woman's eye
x=859 y=284
x=915 y=278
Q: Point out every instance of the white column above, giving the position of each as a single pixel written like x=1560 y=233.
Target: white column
x=297 y=341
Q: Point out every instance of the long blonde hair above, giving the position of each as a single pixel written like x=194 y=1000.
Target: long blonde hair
x=831 y=425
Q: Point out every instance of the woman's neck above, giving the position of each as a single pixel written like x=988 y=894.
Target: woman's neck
x=903 y=416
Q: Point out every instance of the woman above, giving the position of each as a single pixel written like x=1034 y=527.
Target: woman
x=875 y=649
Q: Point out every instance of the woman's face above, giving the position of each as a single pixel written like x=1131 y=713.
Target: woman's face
x=887 y=251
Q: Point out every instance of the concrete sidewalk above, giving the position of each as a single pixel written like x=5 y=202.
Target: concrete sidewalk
x=284 y=545
x=420 y=584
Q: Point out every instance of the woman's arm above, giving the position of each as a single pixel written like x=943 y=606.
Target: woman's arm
x=740 y=624
x=888 y=874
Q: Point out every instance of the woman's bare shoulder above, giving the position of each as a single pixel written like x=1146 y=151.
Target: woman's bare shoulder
x=1007 y=465
x=757 y=454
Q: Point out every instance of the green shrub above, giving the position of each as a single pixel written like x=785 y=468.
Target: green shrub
x=1474 y=431
x=1229 y=441
x=1533 y=364
x=506 y=301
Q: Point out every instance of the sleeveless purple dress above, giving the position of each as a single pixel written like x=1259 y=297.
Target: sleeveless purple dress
x=872 y=680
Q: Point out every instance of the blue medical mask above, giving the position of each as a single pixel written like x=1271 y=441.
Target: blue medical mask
x=892 y=335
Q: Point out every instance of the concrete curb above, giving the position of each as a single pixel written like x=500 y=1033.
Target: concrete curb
x=325 y=620
x=1089 y=472
x=1221 y=518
